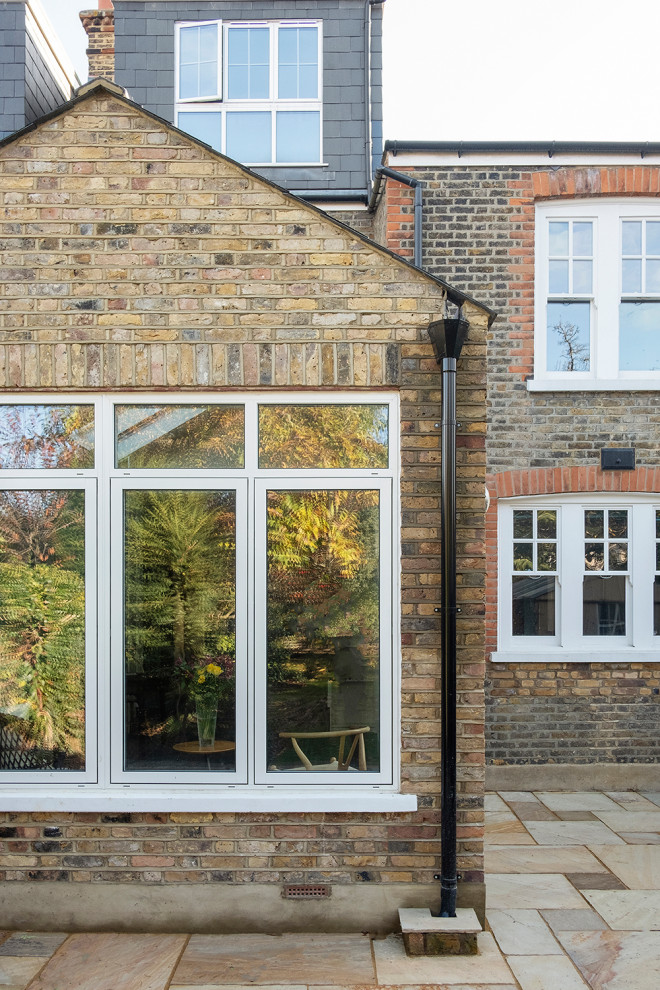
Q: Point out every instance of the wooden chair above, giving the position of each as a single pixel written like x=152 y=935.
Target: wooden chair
x=336 y=764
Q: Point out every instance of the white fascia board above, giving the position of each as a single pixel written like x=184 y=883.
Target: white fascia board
x=409 y=159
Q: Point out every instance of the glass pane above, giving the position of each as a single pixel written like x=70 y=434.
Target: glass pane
x=248 y=136
x=632 y=275
x=559 y=238
x=582 y=238
x=657 y=524
x=604 y=606
x=639 y=336
x=208 y=79
x=632 y=237
x=618 y=556
x=546 y=524
x=656 y=607
x=594 y=523
x=323 y=630
x=287 y=42
x=533 y=606
x=298 y=136
x=237 y=82
x=188 y=45
x=323 y=436
x=568 y=336
x=237 y=46
x=179 y=630
x=259 y=46
x=309 y=82
x=309 y=45
x=657 y=556
x=594 y=556
x=287 y=85
x=523 y=556
x=259 y=81
x=46 y=437
x=205 y=127
x=42 y=630
x=582 y=276
x=558 y=276
x=523 y=524
x=653 y=237
x=179 y=436
x=617 y=523
x=652 y=275
x=547 y=557
x=188 y=82
x=208 y=43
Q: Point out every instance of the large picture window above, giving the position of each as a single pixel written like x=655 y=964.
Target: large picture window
x=242 y=632
x=252 y=89
x=578 y=577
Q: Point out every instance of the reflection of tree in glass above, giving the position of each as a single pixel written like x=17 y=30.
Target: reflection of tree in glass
x=180 y=436
x=323 y=436
x=42 y=608
x=180 y=575
x=574 y=352
x=46 y=437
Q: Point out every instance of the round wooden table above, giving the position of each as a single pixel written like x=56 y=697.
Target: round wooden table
x=193 y=748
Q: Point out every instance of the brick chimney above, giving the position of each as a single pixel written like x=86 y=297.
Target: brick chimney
x=100 y=28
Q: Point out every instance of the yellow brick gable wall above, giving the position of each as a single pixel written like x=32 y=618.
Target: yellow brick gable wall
x=133 y=258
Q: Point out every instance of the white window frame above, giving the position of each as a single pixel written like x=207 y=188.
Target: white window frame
x=607 y=216
x=104 y=784
x=569 y=644
x=222 y=104
x=217 y=96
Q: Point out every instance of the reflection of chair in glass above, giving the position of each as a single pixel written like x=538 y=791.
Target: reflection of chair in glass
x=336 y=764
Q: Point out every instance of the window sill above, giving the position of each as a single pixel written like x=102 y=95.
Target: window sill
x=197 y=800
x=627 y=654
x=593 y=385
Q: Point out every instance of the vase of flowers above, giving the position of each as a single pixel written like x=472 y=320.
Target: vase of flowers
x=207 y=680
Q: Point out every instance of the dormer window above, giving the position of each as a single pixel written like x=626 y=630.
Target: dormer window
x=252 y=89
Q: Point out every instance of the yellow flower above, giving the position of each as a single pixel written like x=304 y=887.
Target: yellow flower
x=214 y=668
x=201 y=678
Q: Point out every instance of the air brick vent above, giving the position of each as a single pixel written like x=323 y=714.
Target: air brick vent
x=306 y=891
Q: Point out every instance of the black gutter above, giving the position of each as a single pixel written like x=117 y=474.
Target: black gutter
x=549 y=148
x=415 y=184
x=330 y=195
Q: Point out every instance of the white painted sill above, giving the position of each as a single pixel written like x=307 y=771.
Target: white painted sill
x=593 y=385
x=197 y=800
x=627 y=655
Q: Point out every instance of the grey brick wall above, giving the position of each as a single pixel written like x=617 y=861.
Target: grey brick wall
x=144 y=65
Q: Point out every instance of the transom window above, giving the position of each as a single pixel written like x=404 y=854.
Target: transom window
x=261 y=103
x=579 y=578
x=597 y=313
x=196 y=592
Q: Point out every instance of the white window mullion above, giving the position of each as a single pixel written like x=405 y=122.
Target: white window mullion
x=608 y=294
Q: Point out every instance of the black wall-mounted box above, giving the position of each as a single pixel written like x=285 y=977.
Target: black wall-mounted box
x=617 y=458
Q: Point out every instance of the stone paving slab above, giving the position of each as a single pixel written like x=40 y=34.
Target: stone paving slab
x=616 y=960
x=394 y=967
x=638 y=865
x=111 y=962
x=627 y=910
x=530 y=890
x=573 y=920
x=32 y=943
x=19 y=970
x=542 y=859
x=522 y=932
x=535 y=973
x=231 y=960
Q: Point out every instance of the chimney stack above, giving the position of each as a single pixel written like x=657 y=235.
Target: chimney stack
x=100 y=28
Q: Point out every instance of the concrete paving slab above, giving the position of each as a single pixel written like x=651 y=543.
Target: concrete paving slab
x=271 y=959
x=112 y=962
x=616 y=960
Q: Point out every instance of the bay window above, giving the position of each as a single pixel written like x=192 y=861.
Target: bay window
x=252 y=89
x=241 y=633
x=579 y=577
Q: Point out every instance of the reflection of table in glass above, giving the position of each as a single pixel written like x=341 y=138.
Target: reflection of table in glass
x=219 y=746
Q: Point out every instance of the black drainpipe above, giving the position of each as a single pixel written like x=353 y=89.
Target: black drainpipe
x=447 y=337
x=415 y=184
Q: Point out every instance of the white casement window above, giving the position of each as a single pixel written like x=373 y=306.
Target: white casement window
x=579 y=578
x=197 y=596
x=597 y=295
x=252 y=89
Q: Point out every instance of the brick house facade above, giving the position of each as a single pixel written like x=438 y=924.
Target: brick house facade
x=483 y=209
x=138 y=262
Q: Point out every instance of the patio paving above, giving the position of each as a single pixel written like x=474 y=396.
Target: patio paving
x=573 y=902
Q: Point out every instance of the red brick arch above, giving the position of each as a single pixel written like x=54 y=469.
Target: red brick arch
x=624 y=180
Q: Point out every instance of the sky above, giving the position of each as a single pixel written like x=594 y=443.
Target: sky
x=501 y=69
